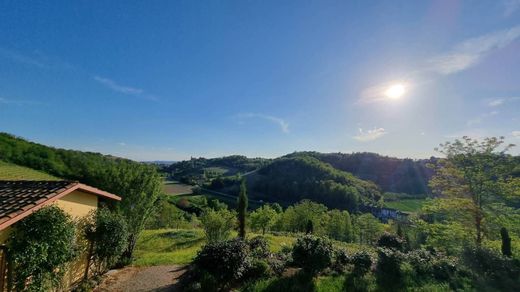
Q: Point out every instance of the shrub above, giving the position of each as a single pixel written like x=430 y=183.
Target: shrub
x=226 y=261
x=392 y=241
x=388 y=269
x=312 y=253
x=341 y=260
x=259 y=269
x=492 y=268
x=40 y=246
x=217 y=225
x=107 y=234
x=362 y=262
x=259 y=247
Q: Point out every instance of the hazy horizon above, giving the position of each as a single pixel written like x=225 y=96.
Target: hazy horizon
x=172 y=80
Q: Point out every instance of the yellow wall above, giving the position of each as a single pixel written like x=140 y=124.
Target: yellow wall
x=78 y=204
x=4 y=234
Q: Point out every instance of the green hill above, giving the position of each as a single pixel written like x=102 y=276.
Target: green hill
x=9 y=171
x=291 y=179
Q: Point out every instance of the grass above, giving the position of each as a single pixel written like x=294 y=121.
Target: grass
x=10 y=171
x=406 y=205
x=168 y=246
x=176 y=188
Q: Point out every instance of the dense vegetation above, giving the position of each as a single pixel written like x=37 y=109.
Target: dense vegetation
x=138 y=184
x=202 y=170
x=291 y=179
x=389 y=173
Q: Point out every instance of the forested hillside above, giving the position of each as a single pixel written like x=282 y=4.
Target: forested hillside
x=389 y=173
x=291 y=179
x=200 y=170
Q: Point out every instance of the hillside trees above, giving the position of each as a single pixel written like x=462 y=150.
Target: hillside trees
x=263 y=218
x=473 y=178
x=217 y=225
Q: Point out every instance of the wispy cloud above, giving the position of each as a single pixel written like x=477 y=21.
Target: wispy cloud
x=284 y=126
x=118 y=87
x=370 y=135
x=8 y=101
x=481 y=118
x=510 y=7
x=124 y=89
x=21 y=58
x=469 y=52
x=515 y=134
x=500 y=101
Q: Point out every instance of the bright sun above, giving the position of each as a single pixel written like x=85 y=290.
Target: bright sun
x=395 y=91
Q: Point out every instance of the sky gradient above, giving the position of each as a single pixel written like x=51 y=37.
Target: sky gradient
x=166 y=80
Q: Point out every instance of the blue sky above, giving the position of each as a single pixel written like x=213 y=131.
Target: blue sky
x=167 y=80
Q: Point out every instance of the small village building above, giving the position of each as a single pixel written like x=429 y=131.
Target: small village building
x=19 y=199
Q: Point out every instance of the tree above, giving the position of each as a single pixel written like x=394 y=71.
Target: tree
x=472 y=177
x=368 y=228
x=506 y=242
x=338 y=225
x=107 y=234
x=139 y=186
x=242 y=209
x=217 y=225
x=263 y=218
x=40 y=247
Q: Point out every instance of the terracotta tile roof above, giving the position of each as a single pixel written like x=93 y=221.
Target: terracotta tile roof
x=19 y=199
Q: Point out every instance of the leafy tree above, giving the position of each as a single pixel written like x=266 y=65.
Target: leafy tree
x=368 y=228
x=40 y=247
x=140 y=186
x=217 y=225
x=506 y=242
x=312 y=253
x=472 y=177
x=242 y=210
x=263 y=218
x=310 y=227
x=107 y=234
x=338 y=225
x=295 y=218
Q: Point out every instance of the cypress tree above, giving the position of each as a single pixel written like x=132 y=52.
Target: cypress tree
x=506 y=242
x=242 y=209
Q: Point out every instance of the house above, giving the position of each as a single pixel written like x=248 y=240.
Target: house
x=19 y=199
x=384 y=214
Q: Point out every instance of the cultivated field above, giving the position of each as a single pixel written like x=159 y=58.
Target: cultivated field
x=10 y=171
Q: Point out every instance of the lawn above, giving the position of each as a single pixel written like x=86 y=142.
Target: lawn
x=10 y=171
x=406 y=205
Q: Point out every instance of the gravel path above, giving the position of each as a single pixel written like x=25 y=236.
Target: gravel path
x=133 y=279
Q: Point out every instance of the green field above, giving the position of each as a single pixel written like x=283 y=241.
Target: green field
x=10 y=171
x=406 y=205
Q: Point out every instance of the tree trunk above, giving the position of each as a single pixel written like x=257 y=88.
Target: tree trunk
x=89 y=257
x=128 y=253
x=478 y=226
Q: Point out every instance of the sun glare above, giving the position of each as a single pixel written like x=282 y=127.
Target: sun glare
x=395 y=91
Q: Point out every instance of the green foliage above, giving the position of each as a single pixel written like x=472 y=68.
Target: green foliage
x=295 y=218
x=107 y=234
x=391 y=241
x=367 y=228
x=492 y=270
x=40 y=247
x=259 y=247
x=313 y=254
x=309 y=229
x=9 y=171
x=263 y=218
x=242 y=209
x=225 y=260
x=338 y=225
x=217 y=225
x=138 y=184
x=388 y=269
x=296 y=177
x=362 y=262
x=506 y=242
x=476 y=174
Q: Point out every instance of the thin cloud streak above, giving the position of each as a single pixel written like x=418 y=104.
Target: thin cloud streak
x=503 y=100
x=510 y=7
x=117 y=87
x=370 y=135
x=284 y=126
x=7 y=101
x=481 y=118
x=471 y=51
x=20 y=58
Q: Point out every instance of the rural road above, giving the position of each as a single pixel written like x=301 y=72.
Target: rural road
x=133 y=279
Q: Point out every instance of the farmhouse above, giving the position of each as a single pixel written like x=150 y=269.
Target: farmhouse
x=19 y=199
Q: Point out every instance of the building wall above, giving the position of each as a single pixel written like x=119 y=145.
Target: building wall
x=4 y=235
x=78 y=204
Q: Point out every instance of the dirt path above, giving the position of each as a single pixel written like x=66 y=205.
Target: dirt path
x=156 y=278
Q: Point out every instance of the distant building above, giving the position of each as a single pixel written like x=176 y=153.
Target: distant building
x=385 y=214
x=19 y=199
